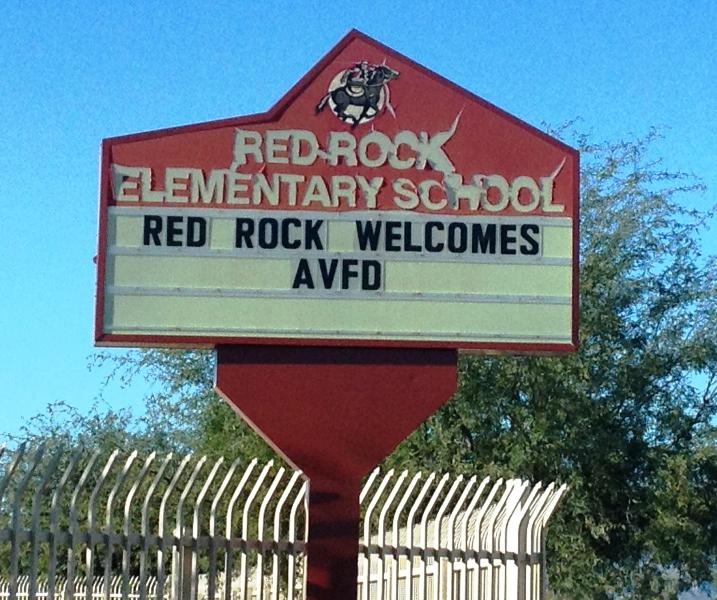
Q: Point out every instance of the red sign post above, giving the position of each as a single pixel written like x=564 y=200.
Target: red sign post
x=334 y=413
x=338 y=251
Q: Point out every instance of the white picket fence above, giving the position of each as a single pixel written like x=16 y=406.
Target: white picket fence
x=120 y=527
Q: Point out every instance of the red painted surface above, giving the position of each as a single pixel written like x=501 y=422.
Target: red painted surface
x=487 y=140
x=334 y=413
x=179 y=341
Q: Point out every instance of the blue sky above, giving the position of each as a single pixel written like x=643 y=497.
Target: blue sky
x=76 y=72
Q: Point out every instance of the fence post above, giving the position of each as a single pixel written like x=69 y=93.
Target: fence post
x=182 y=566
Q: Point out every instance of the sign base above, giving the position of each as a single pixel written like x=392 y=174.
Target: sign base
x=334 y=413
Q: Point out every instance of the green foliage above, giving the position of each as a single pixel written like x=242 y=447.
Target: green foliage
x=63 y=427
x=628 y=421
x=185 y=414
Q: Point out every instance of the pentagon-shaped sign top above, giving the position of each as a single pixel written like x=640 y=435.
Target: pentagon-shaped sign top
x=376 y=204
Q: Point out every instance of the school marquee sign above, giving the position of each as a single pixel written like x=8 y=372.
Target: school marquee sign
x=375 y=204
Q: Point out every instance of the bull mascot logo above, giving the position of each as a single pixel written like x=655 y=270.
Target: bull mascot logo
x=359 y=93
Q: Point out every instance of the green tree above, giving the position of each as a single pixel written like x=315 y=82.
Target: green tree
x=62 y=427
x=628 y=421
x=185 y=413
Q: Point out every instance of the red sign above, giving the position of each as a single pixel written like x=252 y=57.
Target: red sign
x=375 y=204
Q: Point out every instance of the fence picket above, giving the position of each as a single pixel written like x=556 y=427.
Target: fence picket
x=17 y=502
x=127 y=527
x=381 y=537
x=109 y=546
x=439 y=537
x=180 y=566
x=50 y=469
x=213 y=535
x=196 y=528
